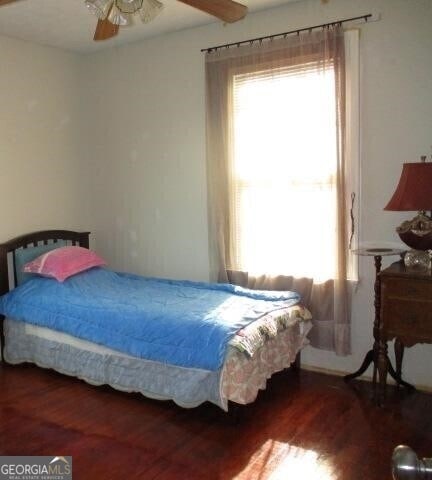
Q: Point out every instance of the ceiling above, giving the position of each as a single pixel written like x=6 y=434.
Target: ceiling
x=67 y=24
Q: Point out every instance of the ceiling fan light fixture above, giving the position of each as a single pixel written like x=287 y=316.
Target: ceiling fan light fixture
x=100 y=8
x=150 y=10
x=129 y=6
x=113 y=14
x=116 y=17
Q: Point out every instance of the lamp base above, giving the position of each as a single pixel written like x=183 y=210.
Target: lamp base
x=417 y=233
x=417 y=259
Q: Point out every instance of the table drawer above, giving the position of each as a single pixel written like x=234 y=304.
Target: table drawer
x=405 y=288
x=407 y=318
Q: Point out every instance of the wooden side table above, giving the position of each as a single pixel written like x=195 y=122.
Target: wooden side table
x=406 y=316
x=373 y=354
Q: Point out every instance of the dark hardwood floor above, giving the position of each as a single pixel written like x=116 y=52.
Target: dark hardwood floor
x=309 y=426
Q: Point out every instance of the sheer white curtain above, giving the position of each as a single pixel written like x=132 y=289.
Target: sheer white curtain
x=276 y=173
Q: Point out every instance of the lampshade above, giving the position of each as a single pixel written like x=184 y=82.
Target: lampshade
x=414 y=191
x=116 y=17
x=150 y=9
x=129 y=6
x=100 y=8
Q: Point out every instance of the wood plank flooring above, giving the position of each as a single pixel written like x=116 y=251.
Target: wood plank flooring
x=309 y=426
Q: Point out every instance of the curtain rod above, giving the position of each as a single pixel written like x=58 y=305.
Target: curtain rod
x=365 y=18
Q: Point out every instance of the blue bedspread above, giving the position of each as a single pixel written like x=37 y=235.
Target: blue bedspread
x=182 y=323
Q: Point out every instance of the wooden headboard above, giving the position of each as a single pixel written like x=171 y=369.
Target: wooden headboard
x=32 y=240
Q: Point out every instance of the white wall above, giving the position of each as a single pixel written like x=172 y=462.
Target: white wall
x=146 y=109
x=43 y=177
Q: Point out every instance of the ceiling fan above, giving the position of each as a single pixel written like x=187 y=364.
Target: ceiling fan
x=113 y=14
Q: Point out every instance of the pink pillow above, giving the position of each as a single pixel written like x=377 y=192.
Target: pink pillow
x=64 y=262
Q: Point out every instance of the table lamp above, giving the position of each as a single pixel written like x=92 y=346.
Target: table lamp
x=414 y=193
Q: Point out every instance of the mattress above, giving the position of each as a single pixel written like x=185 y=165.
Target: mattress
x=252 y=357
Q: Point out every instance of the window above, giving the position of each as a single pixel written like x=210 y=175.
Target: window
x=282 y=155
x=284 y=172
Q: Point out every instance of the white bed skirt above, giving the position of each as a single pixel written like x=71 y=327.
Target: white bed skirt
x=239 y=380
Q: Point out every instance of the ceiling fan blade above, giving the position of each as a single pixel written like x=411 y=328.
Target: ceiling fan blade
x=104 y=30
x=226 y=10
x=5 y=2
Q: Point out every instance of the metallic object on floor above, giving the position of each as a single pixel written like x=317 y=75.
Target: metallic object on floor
x=407 y=466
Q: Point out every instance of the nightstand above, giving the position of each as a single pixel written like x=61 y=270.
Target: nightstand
x=405 y=315
x=372 y=355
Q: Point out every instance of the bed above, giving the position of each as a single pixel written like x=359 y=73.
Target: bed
x=258 y=348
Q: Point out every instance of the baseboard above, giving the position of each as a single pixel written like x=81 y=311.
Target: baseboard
x=364 y=378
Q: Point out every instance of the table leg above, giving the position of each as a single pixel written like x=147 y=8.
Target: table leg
x=399 y=349
x=397 y=378
x=369 y=358
x=372 y=355
x=399 y=353
x=382 y=371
